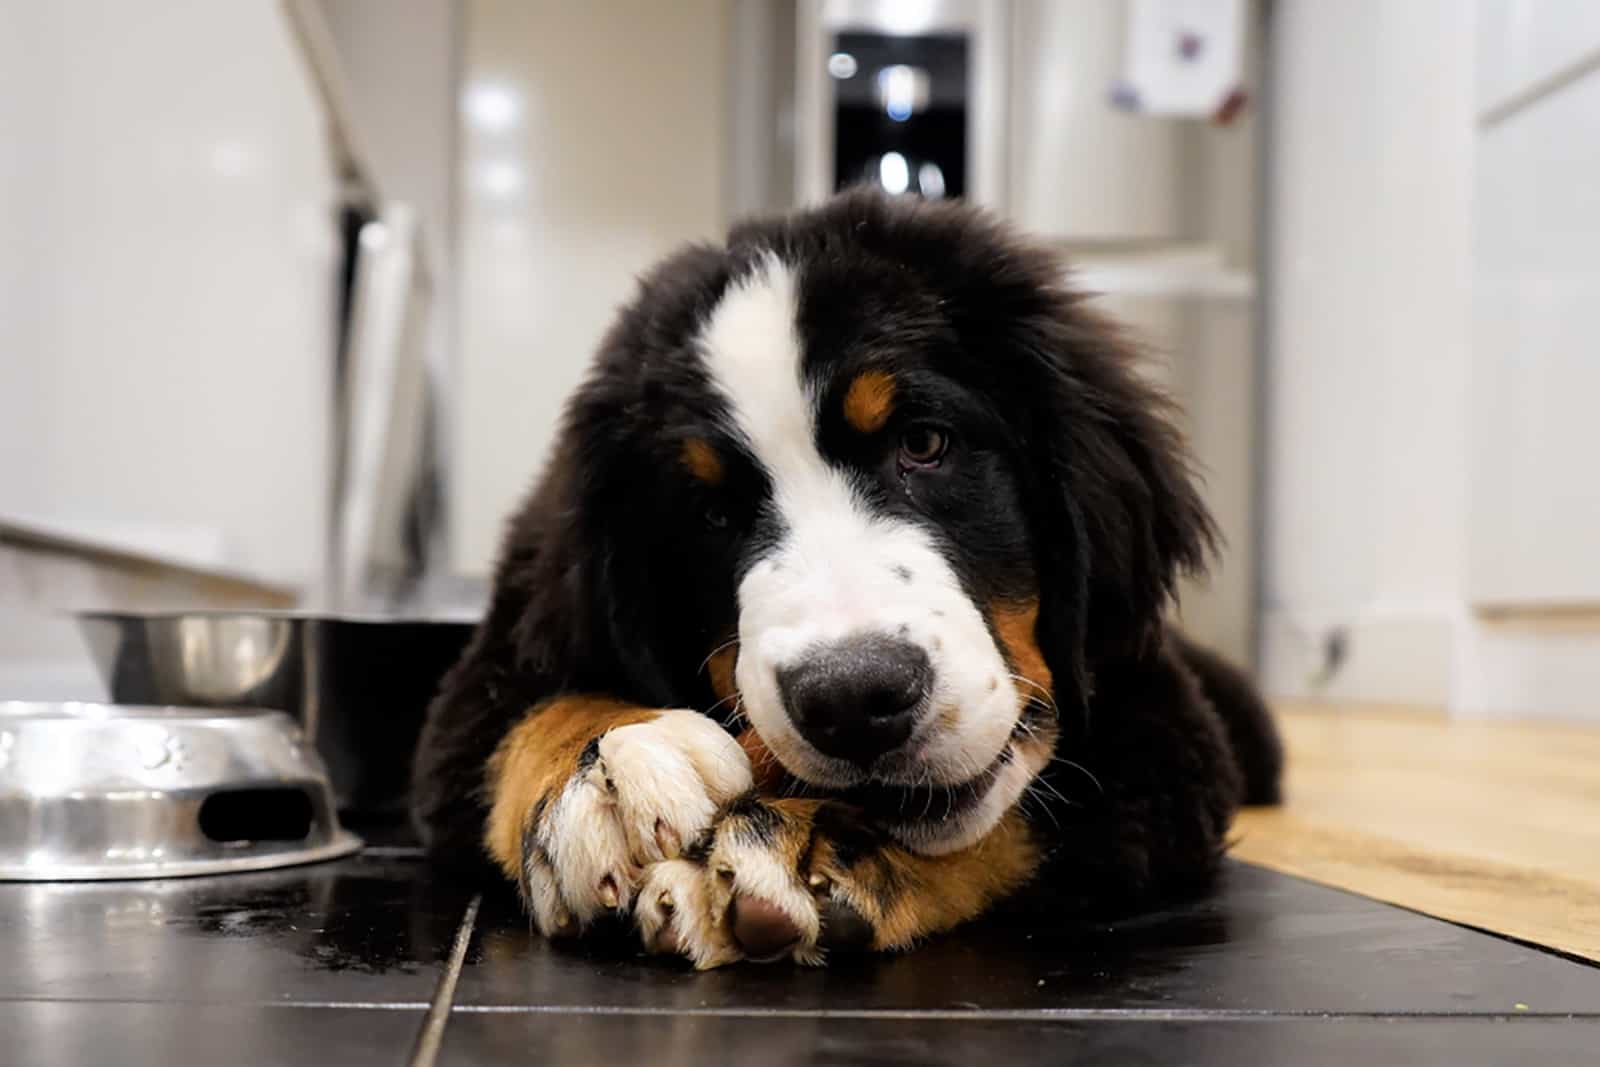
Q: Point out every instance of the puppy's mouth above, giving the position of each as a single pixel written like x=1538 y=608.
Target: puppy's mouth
x=934 y=753
x=896 y=804
x=932 y=817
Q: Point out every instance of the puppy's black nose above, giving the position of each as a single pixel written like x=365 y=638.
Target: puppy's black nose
x=858 y=698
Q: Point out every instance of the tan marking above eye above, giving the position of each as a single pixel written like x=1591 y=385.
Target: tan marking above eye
x=702 y=461
x=870 y=401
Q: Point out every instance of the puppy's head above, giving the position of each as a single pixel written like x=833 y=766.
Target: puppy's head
x=871 y=478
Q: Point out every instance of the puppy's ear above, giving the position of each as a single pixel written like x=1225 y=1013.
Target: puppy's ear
x=543 y=561
x=581 y=622
x=553 y=625
x=586 y=618
x=522 y=652
x=1119 y=514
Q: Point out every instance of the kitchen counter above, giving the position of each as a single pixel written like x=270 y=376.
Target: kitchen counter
x=373 y=960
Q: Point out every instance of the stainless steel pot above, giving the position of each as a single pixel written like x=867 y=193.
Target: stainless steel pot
x=358 y=686
x=95 y=791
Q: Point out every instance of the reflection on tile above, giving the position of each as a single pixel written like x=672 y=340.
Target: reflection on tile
x=1264 y=943
x=696 y=1040
x=252 y=956
x=48 y=1033
x=360 y=930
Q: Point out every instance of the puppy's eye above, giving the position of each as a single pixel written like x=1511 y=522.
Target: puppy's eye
x=923 y=446
x=716 y=518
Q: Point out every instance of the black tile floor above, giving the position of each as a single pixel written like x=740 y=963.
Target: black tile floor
x=371 y=961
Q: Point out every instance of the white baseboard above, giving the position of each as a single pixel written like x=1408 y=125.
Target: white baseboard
x=1474 y=667
x=1388 y=659
x=1530 y=668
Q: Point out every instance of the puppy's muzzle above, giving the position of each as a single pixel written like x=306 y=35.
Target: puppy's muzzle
x=858 y=698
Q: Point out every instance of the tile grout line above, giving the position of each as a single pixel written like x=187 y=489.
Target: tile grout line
x=860 y=1014
x=285 y=1005
x=1158 y=1015
x=426 y=1051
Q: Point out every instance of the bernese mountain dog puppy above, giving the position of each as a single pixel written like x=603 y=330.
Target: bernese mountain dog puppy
x=837 y=616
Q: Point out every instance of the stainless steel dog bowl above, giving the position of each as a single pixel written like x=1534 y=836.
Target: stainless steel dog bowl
x=96 y=791
x=358 y=686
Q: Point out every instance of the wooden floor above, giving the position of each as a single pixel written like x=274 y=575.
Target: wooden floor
x=1492 y=825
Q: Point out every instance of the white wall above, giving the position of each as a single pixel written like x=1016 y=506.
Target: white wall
x=1535 y=499
x=1432 y=364
x=166 y=276
x=399 y=62
x=1079 y=167
x=398 y=74
x=1120 y=188
x=611 y=155
x=1522 y=43
x=1369 y=342
x=1536 y=368
x=1217 y=377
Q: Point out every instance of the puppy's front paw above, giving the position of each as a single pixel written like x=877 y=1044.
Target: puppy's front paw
x=765 y=884
x=637 y=793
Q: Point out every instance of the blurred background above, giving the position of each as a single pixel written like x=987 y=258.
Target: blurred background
x=291 y=291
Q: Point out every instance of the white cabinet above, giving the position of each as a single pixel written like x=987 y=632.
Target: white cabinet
x=1535 y=486
x=168 y=267
x=1522 y=43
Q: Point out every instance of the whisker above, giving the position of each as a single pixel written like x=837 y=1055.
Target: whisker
x=1032 y=734
x=1086 y=772
x=1044 y=705
x=1045 y=698
x=1031 y=794
x=738 y=708
x=1051 y=786
x=767 y=760
x=713 y=655
x=968 y=766
x=1025 y=680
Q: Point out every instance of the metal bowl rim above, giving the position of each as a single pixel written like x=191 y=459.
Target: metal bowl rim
x=100 y=712
x=343 y=844
x=291 y=615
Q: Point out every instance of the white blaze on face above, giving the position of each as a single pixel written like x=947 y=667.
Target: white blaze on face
x=838 y=570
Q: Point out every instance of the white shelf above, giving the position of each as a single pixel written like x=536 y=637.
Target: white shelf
x=1178 y=271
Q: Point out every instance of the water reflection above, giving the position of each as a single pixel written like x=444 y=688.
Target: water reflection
x=358 y=929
